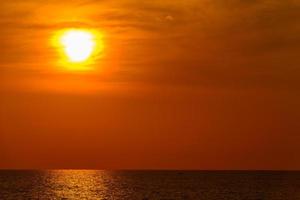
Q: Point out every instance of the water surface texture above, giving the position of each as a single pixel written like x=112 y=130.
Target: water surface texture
x=142 y=185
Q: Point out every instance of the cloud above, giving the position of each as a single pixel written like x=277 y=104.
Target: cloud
x=218 y=43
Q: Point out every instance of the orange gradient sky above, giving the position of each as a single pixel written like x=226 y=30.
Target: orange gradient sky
x=194 y=84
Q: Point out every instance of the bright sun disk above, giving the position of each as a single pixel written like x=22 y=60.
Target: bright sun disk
x=78 y=45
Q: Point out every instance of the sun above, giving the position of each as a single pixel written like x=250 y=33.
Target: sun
x=79 y=49
x=78 y=45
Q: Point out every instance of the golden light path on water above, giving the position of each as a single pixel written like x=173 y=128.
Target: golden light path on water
x=78 y=49
x=77 y=184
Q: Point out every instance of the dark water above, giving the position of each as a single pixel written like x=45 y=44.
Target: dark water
x=156 y=185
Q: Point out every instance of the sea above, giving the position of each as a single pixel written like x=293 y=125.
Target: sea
x=149 y=185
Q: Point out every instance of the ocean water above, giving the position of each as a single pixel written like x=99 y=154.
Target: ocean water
x=156 y=185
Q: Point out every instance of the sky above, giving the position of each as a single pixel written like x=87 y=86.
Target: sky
x=194 y=84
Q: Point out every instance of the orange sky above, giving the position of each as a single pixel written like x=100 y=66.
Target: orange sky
x=194 y=84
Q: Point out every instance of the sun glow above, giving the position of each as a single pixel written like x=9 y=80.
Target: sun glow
x=78 y=45
x=78 y=48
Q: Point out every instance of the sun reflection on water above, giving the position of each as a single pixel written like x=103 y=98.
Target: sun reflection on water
x=76 y=184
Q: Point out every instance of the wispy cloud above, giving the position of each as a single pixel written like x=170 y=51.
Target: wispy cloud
x=183 y=42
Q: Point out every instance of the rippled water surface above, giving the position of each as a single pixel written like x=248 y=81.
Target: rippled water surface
x=206 y=185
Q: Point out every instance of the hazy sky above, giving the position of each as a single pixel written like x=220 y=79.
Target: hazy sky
x=194 y=84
